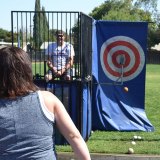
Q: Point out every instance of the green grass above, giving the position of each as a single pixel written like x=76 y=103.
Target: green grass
x=38 y=68
x=118 y=142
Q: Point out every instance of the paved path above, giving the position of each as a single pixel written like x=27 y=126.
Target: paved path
x=69 y=156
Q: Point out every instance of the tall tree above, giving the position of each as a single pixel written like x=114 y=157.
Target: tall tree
x=45 y=25
x=37 y=36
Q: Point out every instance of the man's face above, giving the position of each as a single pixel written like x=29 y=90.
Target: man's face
x=60 y=38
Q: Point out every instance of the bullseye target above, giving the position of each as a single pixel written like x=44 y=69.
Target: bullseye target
x=122 y=54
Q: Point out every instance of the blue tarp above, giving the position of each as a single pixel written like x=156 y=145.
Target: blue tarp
x=76 y=97
x=119 y=51
x=82 y=114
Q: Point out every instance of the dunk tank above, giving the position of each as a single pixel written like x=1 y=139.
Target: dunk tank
x=107 y=88
x=34 y=31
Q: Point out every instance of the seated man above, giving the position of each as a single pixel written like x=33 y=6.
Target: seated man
x=60 y=60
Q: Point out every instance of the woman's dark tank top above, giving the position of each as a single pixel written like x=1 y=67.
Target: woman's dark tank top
x=25 y=132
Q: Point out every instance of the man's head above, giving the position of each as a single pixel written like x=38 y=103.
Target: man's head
x=60 y=36
x=60 y=32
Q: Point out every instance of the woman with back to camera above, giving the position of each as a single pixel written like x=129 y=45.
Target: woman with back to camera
x=28 y=115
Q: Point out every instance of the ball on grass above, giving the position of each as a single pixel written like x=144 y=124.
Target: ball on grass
x=139 y=137
x=135 y=137
x=130 y=150
x=133 y=142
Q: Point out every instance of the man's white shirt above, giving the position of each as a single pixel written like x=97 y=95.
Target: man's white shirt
x=60 y=54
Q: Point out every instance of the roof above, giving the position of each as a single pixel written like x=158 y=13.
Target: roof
x=156 y=47
x=7 y=43
x=45 y=45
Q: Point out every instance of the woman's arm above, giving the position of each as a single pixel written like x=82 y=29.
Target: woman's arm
x=66 y=126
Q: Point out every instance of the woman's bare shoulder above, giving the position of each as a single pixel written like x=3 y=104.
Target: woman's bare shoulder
x=49 y=97
x=50 y=100
x=46 y=93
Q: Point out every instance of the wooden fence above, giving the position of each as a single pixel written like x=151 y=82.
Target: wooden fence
x=153 y=57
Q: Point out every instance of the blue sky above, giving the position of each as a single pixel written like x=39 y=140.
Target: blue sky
x=85 y=6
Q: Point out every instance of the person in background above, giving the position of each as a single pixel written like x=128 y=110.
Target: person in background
x=28 y=115
x=61 y=55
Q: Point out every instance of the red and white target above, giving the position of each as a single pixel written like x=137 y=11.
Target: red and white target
x=122 y=51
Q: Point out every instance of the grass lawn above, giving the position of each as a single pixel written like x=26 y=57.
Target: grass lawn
x=38 y=68
x=119 y=142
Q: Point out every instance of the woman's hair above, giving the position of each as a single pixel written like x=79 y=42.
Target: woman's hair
x=15 y=73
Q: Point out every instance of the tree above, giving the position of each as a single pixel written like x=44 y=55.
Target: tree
x=45 y=25
x=147 y=5
x=6 y=35
x=41 y=26
x=129 y=10
x=37 y=36
x=120 y=10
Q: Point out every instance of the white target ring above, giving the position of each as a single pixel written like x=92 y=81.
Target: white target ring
x=118 y=51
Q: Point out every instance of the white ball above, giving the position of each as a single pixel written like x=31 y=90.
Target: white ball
x=135 y=137
x=133 y=142
x=130 y=150
x=139 y=137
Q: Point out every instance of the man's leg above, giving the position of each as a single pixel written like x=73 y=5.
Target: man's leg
x=67 y=75
x=50 y=76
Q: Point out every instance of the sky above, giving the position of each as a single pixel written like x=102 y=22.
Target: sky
x=85 y=6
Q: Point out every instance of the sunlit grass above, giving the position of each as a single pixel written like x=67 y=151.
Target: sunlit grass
x=38 y=68
x=119 y=142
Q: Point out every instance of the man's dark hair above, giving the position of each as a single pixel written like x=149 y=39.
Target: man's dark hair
x=60 y=32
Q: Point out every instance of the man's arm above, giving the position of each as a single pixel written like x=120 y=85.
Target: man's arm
x=69 y=63
x=50 y=65
x=49 y=52
x=70 y=60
